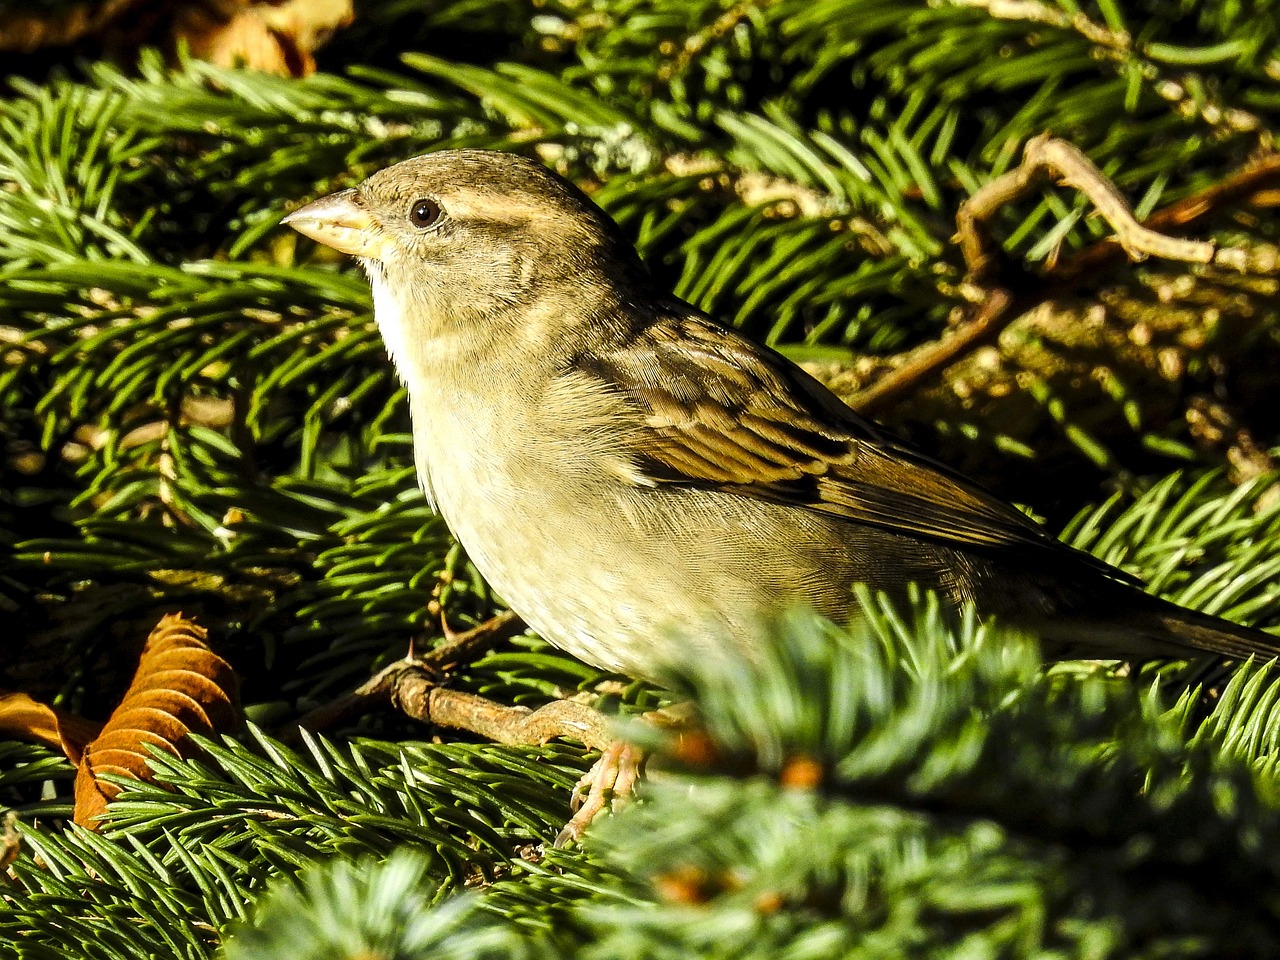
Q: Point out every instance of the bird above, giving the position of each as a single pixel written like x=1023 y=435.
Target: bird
x=642 y=483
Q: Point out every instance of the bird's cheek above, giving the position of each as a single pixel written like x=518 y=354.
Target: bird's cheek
x=485 y=280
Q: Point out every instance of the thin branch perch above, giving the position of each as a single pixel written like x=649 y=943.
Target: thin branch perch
x=1046 y=156
x=998 y=305
x=459 y=648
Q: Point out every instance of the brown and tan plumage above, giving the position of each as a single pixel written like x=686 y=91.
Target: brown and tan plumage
x=630 y=474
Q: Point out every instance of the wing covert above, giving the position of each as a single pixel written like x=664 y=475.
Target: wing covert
x=720 y=411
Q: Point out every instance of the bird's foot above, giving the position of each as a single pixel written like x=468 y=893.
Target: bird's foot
x=413 y=685
x=613 y=776
x=610 y=782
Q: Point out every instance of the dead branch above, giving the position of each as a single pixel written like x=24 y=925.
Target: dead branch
x=998 y=305
x=457 y=649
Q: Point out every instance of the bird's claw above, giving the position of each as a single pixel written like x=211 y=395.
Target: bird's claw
x=611 y=782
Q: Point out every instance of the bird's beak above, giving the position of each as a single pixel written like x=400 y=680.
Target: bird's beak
x=340 y=222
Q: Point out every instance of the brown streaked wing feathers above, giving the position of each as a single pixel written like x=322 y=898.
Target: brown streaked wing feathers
x=726 y=413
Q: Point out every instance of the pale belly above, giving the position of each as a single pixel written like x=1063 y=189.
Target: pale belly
x=586 y=578
x=627 y=577
x=630 y=580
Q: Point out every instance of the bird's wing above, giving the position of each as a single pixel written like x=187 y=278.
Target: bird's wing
x=720 y=411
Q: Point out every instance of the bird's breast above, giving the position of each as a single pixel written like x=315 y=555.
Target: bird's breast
x=539 y=513
x=535 y=485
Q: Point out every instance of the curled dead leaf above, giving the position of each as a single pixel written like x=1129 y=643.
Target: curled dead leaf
x=180 y=687
x=274 y=36
x=23 y=718
x=10 y=840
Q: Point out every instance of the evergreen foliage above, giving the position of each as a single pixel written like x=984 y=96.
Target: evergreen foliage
x=197 y=414
x=905 y=785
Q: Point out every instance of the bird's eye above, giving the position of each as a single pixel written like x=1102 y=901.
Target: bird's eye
x=425 y=213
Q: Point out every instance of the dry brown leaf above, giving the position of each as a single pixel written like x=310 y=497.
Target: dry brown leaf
x=274 y=36
x=26 y=719
x=243 y=40
x=180 y=687
x=10 y=840
x=26 y=32
x=271 y=37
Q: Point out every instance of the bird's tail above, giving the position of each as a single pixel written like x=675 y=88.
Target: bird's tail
x=1162 y=622
x=1133 y=625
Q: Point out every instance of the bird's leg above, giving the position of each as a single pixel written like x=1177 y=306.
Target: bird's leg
x=613 y=777
x=412 y=685
x=610 y=781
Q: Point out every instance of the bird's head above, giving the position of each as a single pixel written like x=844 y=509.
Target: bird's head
x=472 y=237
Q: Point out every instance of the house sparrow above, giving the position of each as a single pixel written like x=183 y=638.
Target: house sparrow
x=630 y=474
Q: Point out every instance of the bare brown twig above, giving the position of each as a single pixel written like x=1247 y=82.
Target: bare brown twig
x=1045 y=156
x=459 y=648
x=991 y=317
x=1171 y=82
x=1184 y=214
x=413 y=691
x=998 y=304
